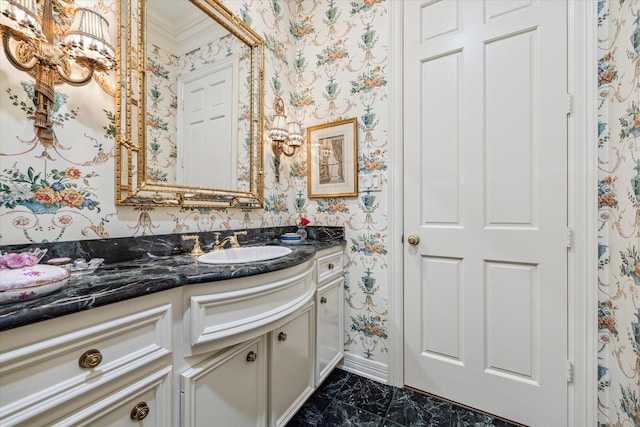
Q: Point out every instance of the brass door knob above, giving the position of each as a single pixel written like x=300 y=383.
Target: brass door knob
x=323 y=300
x=140 y=411
x=90 y=359
x=413 y=239
x=282 y=336
x=251 y=356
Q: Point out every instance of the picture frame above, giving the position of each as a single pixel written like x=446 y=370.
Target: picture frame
x=332 y=165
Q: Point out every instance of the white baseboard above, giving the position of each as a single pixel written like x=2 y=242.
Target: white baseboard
x=371 y=369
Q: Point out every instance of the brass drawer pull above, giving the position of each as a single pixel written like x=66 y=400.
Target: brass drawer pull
x=140 y=411
x=330 y=266
x=282 y=336
x=251 y=356
x=323 y=300
x=90 y=359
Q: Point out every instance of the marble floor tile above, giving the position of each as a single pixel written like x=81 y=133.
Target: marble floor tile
x=334 y=382
x=409 y=408
x=340 y=413
x=310 y=414
x=462 y=417
x=346 y=399
x=369 y=395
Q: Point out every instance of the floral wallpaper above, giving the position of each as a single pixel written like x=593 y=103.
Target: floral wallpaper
x=328 y=59
x=324 y=58
x=619 y=209
x=162 y=114
x=338 y=70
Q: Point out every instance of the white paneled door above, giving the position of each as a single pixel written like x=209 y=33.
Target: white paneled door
x=485 y=131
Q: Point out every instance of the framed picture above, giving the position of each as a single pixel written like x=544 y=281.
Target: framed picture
x=332 y=165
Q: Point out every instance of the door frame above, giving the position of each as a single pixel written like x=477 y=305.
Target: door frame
x=582 y=208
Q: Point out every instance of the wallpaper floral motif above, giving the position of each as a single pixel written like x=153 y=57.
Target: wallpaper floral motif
x=619 y=208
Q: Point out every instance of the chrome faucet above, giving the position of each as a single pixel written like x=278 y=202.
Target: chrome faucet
x=232 y=240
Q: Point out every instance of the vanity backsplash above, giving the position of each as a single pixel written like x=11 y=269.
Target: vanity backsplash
x=131 y=248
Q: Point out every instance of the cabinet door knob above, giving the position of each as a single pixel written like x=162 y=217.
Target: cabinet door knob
x=323 y=300
x=251 y=356
x=330 y=266
x=413 y=239
x=90 y=359
x=282 y=336
x=140 y=411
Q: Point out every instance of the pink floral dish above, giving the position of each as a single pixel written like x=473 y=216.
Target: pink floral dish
x=21 y=259
x=19 y=284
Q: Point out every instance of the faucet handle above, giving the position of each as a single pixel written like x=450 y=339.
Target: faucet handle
x=197 y=250
x=233 y=240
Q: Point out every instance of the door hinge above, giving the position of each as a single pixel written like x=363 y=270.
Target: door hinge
x=569 y=371
x=569 y=104
x=569 y=237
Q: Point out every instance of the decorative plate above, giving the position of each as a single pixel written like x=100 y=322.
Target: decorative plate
x=19 y=284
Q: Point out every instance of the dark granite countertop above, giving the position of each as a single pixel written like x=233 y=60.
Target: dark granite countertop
x=150 y=273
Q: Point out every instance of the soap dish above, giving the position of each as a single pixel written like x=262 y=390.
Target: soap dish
x=291 y=241
x=291 y=238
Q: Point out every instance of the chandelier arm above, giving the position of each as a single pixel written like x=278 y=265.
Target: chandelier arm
x=77 y=82
x=6 y=38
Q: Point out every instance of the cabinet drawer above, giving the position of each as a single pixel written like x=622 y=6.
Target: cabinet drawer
x=47 y=373
x=330 y=266
x=145 y=402
x=229 y=316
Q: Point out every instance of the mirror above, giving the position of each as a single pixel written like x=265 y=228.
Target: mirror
x=189 y=107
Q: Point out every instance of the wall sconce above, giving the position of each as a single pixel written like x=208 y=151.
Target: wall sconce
x=86 y=45
x=285 y=137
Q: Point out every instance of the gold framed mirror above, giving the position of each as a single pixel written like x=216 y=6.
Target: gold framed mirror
x=189 y=106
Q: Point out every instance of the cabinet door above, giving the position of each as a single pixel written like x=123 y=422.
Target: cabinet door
x=228 y=389
x=292 y=356
x=330 y=334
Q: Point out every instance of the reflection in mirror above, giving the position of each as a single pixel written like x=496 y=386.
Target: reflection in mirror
x=200 y=122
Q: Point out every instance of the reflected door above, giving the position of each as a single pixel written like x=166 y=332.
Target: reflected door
x=207 y=148
x=486 y=192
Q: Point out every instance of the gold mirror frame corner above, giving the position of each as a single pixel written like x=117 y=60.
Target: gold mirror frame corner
x=131 y=187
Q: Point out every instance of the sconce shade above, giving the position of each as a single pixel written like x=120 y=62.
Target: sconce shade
x=88 y=37
x=295 y=134
x=285 y=138
x=278 y=131
x=21 y=16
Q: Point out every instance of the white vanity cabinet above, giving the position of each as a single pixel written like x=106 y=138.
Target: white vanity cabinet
x=249 y=349
x=240 y=352
x=105 y=366
x=330 y=312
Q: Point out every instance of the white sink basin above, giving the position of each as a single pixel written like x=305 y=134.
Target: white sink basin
x=244 y=254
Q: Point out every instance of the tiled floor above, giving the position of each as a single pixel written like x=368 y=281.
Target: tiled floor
x=346 y=399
